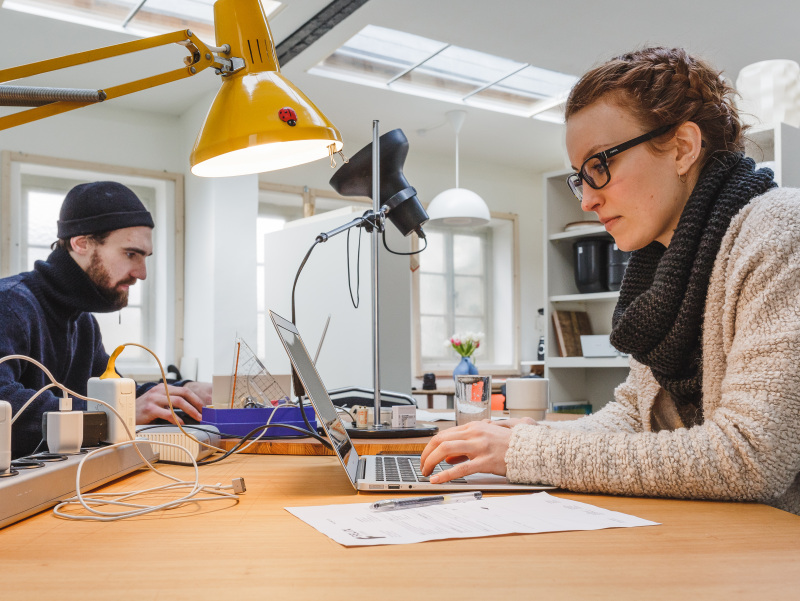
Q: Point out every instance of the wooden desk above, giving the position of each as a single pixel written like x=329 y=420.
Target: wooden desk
x=257 y=550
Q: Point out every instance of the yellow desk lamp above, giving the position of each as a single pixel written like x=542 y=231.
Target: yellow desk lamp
x=259 y=121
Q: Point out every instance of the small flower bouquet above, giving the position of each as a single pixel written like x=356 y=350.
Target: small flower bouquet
x=466 y=344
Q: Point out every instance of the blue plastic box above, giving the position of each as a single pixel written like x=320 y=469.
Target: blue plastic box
x=239 y=422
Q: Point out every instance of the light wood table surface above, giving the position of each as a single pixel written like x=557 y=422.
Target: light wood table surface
x=257 y=550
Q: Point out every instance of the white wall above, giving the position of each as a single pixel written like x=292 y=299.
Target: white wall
x=103 y=134
x=220 y=300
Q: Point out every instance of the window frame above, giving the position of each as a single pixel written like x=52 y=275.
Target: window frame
x=512 y=368
x=166 y=325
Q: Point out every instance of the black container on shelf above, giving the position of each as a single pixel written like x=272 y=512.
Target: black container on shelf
x=590 y=264
x=616 y=262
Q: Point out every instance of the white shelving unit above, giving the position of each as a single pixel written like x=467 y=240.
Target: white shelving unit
x=777 y=147
x=591 y=379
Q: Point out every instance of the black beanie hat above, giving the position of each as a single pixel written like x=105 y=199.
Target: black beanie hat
x=100 y=207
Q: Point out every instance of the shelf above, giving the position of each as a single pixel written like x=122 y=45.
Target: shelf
x=594 y=296
x=584 y=362
x=580 y=233
x=531 y=362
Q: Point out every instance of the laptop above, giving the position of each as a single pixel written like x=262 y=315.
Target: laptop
x=373 y=472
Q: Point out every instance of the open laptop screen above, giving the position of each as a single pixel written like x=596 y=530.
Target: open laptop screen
x=326 y=411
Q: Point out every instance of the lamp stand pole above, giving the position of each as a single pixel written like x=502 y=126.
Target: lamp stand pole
x=376 y=207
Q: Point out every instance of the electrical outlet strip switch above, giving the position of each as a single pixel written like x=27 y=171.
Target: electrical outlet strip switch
x=5 y=436
x=120 y=393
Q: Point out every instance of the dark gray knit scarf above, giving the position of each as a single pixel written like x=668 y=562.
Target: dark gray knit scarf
x=658 y=319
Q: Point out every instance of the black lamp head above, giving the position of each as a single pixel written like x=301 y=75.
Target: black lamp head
x=354 y=178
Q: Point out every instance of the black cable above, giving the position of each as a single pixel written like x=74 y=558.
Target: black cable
x=358 y=271
x=252 y=432
x=416 y=252
x=308 y=425
x=296 y=383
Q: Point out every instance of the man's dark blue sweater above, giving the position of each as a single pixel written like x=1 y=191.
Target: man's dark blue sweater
x=46 y=314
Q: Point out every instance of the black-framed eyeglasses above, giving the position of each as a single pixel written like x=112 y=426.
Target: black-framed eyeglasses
x=594 y=170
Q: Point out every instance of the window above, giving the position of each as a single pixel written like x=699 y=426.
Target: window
x=153 y=316
x=453 y=291
x=403 y=62
x=467 y=282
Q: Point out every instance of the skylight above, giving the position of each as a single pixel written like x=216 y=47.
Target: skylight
x=403 y=62
x=144 y=18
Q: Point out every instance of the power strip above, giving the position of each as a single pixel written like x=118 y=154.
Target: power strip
x=36 y=489
x=172 y=434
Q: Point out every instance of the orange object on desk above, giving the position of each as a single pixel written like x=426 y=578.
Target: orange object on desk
x=497 y=402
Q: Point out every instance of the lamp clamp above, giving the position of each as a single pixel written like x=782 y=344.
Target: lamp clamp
x=228 y=66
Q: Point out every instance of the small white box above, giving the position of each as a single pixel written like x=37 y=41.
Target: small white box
x=404 y=417
x=598 y=346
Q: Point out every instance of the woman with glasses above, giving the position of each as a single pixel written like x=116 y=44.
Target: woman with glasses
x=709 y=309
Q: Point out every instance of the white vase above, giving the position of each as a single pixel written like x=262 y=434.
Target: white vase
x=770 y=93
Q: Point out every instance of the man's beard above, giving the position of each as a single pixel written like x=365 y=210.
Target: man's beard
x=102 y=280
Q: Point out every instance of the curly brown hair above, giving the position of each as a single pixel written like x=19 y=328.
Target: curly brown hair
x=662 y=86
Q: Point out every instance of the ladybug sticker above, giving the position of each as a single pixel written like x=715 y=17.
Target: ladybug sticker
x=288 y=116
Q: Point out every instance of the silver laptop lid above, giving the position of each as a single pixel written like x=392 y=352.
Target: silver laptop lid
x=315 y=389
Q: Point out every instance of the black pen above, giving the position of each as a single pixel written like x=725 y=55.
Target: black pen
x=409 y=503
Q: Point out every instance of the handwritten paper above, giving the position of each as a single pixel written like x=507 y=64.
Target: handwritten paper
x=357 y=525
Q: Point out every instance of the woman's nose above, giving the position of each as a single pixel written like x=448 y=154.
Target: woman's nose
x=591 y=199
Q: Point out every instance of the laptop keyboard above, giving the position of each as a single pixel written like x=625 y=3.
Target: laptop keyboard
x=389 y=468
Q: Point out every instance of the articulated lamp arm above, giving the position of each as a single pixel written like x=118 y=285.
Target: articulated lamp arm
x=52 y=101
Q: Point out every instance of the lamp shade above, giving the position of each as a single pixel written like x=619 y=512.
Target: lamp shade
x=259 y=121
x=458 y=207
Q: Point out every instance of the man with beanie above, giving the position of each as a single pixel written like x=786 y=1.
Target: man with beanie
x=104 y=236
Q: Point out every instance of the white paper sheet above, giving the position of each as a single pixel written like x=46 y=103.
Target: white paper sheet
x=357 y=525
x=446 y=416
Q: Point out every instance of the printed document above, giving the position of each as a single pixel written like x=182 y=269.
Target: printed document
x=357 y=525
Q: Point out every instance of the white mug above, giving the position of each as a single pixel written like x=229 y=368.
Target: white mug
x=527 y=397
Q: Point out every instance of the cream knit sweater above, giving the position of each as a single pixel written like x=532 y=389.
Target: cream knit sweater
x=748 y=446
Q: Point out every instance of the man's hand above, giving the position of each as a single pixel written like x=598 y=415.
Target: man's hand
x=203 y=391
x=153 y=404
x=476 y=447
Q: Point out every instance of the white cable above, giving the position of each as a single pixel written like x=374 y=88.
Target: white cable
x=41 y=390
x=136 y=509
x=264 y=431
x=196 y=487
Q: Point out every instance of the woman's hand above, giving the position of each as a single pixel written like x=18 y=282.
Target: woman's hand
x=475 y=447
x=514 y=421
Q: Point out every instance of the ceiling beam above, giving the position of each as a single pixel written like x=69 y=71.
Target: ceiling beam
x=317 y=26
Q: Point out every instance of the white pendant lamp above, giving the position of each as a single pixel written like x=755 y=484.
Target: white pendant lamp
x=458 y=207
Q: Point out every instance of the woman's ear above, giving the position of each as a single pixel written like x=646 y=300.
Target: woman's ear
x=688 y=144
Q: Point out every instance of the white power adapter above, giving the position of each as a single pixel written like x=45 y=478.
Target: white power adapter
x=120 y=393
x=64 y=428
x=5 y=436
